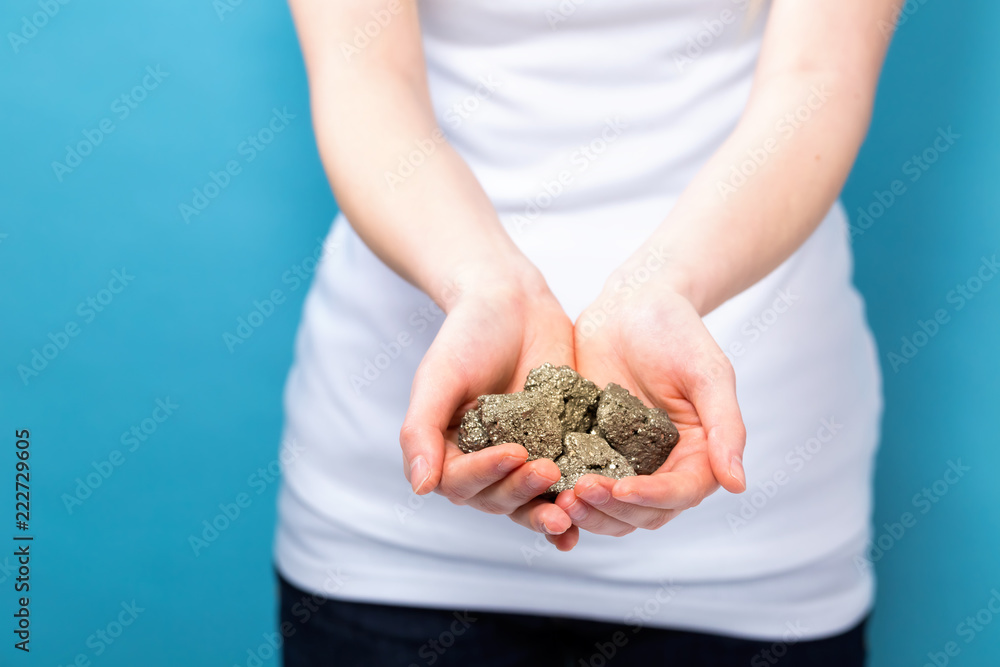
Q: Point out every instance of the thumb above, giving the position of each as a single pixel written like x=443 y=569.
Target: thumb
x=440 y=387
x=713 y=395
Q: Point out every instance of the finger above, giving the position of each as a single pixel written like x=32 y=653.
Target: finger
x=522 y=485
x=440 y=387
x=674 y=490
x=567 y=540
x=713 y=394
x=589 y=518
x=543 y=517
x=465 y=475
x=601 y=498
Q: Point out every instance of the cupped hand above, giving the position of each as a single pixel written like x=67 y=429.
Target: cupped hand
x=495 y=332
x=652 y=342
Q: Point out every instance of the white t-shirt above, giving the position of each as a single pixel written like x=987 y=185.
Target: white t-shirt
x=584 y=120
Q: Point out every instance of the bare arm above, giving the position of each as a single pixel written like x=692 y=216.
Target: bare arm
x=807 y=115
x=756 y=200
x=435 y=227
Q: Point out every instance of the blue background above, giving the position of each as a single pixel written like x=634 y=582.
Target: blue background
x=162 y=336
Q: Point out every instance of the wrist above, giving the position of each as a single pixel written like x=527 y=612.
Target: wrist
x=509 y=277
x=655 y=269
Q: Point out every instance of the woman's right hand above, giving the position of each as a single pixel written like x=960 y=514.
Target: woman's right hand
x=497 y=329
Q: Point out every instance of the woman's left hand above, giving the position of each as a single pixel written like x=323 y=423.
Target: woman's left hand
x=651 y=340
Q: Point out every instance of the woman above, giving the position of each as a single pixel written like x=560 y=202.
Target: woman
x=645 y=191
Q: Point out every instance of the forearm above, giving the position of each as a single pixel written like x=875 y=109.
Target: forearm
x=764 y=191
x=435 y=227
x=407 y=192
x=773 y=180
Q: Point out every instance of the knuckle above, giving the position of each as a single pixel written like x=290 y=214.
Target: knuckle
x=631 y=514
x=623 y=531
x=714 y=371
x=656 y=522
x=488 y=505
x=409 y=435
x=449 y=491
x=607 y=527
x=523 y=494
x=483 y=478
x=521 y=517
x=740 y=431
x=692 y=497
x=706 y=377
x=725 y=370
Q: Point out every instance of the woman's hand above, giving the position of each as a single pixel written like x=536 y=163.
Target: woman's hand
x=497 y=329
x=653 y=342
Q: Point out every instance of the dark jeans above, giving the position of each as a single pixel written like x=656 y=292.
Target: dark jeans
x=322 y=632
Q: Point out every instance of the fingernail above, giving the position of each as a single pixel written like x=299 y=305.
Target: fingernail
x=548 y=531
x=577 y=511
x=536 y=481
x=736 y=471
x=595 y=494
x=508 y=463
x=419 y=472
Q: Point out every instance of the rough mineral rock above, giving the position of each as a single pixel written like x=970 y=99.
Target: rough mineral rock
x=472 y=433
x=644 y=436
x=608 y=432
x=584 y=454
x=579 y=395
x=530 y=419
